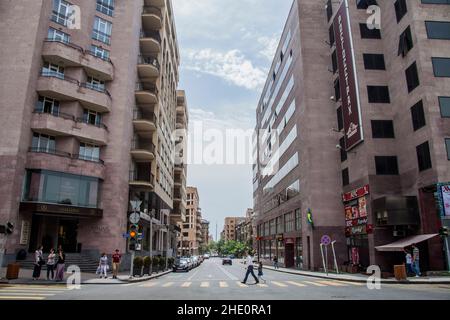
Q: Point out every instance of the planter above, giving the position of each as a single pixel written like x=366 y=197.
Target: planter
x=137 y=271
x=146 y=271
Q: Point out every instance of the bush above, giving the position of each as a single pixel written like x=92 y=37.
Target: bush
x=147 y=262
x=138 y=262
x=155 y=261
x=171 y=261
x=162 y=262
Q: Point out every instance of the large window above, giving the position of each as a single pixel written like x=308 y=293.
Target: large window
x=374 y=61
x=95 y=84
x=436 y=1
x=289 y=222
x=52 y=70
x=386 y=165
x=102 y=30
x=60 y=12
x=423 y=156
x=364 y=4
x=100 y=52
x=334 y=63
x=418 y=116
x=298 y=219
x=438 y=29
x=43 y=143
x=412 y=77
x=447 y=145
x=92 y=117
x=345 y=177
x=367 y=33
x=56 y=35
x=406 y=42
x=273 y=227
x=47 y=105
x=61 y=188
x=337 y=90
x=444 y=104
x=89 y=152
x=331 y=35
x=280 y=224
x=342 y=149
x=400 y=9
x=106 y=7
x=382 y=129
x=378 y=94
x=441 y=67
x=340 y=119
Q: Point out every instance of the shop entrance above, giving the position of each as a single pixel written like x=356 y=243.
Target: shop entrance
x=289 y=260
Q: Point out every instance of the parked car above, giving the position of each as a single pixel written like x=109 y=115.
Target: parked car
x=189 y=261
x=195 y=261
x=227 y=260
x=206 y=256
x=181 y=264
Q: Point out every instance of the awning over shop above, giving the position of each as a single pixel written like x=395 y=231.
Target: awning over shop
x=405 y=242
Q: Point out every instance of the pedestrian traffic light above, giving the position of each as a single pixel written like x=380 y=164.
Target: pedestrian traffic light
x=133 y=233
x=443 y=231
x=9 y=228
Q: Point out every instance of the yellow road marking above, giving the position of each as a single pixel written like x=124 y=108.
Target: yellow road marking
x=352 y=283
x=279 y=284
x=204 y=285
x=30 y=291
x=186 y=284
x=29 y=294
x=241 y=284
x=223 y=284
x=21 y=298
x=262 y=285
x=149 y=285
x=298 y=284
x=333 y=283
x=315 y=284
x=168 y=284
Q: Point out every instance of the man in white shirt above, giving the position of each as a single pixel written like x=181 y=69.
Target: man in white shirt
x=249 y=262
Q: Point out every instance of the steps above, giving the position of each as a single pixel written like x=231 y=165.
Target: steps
x=84 y=262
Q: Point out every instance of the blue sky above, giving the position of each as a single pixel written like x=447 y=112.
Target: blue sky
x=226 y=49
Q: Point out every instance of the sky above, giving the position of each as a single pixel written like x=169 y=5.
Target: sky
x=226 y=49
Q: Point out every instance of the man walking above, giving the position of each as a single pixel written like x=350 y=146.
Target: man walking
x=116 y=257
x=249 y=262
x=416 y=260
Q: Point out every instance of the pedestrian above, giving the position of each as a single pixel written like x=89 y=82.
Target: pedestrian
x=51 y=264
x=408 y=258
x=275 y=262
x=38 y=263
x=116 y=257
x=60 y=265
x=415 y=260
x=260 y=272
x=103 y=265
x=249 y=262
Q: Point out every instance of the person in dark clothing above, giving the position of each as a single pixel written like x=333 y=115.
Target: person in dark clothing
x=60 y=265
x=275 y=262
x=38 y=263
x=249 y=262
x=260 y=272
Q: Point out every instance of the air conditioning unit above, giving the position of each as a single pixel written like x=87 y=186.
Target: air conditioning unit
x=399 y=233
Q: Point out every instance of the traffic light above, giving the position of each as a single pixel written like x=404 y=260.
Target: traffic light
x=9 y=228
x=443 y=231
x=133 y=237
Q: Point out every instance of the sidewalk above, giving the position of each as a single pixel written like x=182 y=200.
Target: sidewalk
x=362 y=277
x=25 y=277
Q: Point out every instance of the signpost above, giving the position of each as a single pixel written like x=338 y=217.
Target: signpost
x=134 y=219
x=325 y=241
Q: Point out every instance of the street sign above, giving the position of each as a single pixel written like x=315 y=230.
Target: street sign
x=135 y=204
x=125 y=235
x=325 y=240
x=135 y=217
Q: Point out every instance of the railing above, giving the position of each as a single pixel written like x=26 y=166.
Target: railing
x=137 y=144
x=92 y=53
x=148 y=60
x=39 y=109
x=88 y=158
x=140 y=86
x=137 y=115
x=64 y=154
x=136 y=175
x=152 y=10
x=151 y=34
x=77 y=47
x=99 y=125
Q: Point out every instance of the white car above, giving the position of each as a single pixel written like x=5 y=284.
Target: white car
x=206 y=256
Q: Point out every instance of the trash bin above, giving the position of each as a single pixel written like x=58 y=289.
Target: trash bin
x=12 y=271
x=400 y=272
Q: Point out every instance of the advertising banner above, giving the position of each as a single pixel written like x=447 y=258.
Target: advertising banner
x=445 y=191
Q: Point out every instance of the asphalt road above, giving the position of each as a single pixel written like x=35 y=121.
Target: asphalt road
x=212 y=281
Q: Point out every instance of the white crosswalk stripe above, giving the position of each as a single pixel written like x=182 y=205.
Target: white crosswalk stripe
x=298 y=284
x=279 y=284
x=30 y=292
x=223 y=284
x=333 y=283
x=204 y=285
x=186 y=285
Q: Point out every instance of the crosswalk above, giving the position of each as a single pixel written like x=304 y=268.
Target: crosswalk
x=30 y=292
x=238 y=284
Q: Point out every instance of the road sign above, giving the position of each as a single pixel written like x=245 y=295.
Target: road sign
x=125 y=235
x=135 y=204
x=325 y=240
x=135 y=217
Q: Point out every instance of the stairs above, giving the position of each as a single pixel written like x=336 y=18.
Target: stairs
x=85 y=262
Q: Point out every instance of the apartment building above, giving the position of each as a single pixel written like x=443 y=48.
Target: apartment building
x=91 y=102
x=191 y=233
x=245 y=229
x=205 y=233
x=229 y=228
x=353 y=134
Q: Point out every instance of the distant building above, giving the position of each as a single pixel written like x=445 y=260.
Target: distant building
x=229 y=228
x=191 y=233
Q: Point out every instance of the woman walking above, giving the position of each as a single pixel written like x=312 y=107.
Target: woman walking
x=103 y=265
x=38 y=262
x=51 y=264
x=60 y=265
x=260 y=272
x=275 y=262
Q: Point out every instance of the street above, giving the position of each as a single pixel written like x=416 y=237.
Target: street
x=212 y=281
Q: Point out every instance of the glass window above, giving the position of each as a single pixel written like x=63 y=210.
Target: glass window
x=56 y=35
x=378 y=94
x=418 y=116
x=345 y=177
x=95 y=84
x=367 y=33
x=293 y=190
x=382 y=129
x=340 y=119
x=423 y=156
x=412 y=77
x=47 y=105
x=438 y=30
x=400 y=9
x=406 y=42
x=43 y=143
x=102 y=30
x=441 y=67
x=337 y=89
x=100 y=52
x=329 y=10
x=343 y=152
x=436 y=1
x=444 y=104
x=331 y=35
x=298 y=220
x=386 y=165
x=374 y=61
x=334 y=61
x=106 y=7
x=89 y=152
x=52 y=70
x=92 y=117
x=447 y=145
x=364 y=4
x=60 y=12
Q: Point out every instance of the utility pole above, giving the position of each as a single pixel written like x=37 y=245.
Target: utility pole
x=167 y=248
x=151 y=241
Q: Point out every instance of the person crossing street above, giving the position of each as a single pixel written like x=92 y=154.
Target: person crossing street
x=249 y=263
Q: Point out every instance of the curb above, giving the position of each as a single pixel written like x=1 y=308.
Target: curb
x=143 y=278
x=358 y=280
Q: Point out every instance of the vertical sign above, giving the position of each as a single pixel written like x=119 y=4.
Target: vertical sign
x=445 y=189
x=347 y=77
x=25 y=232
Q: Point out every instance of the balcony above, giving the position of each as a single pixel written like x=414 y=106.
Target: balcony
x=152 y=18
x=146 y=93
x=61 y=124
x=144 y=124
x=157 y=3
x=63 y=88
x=142 y=179
x=142 y=151
x=56 y=160
x=72 y=55
x=150 y=42
x=148 y=68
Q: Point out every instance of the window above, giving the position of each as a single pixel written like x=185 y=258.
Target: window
x=56 y=35
x=92 y=117
x=378 y=94
x=367 y=33
x=423 y=156
x=405 y=43
x=47 y=105
x=382 y=129
x=106 y=7
x=444 y=104
x=436 y=1
x=441 y=67
x=52 y=70
x=293 y=190
x=289 y=222
x=345 y=177
x=340 y=119
x=337 y=90
x=418 y=116
x=60 y=12
x=331 y=35
x=100 y=52
x=102 y=30
x=386 y=165
x=95 y=84
x=364 y=4
x=412 y=77
x=89 y=152
x=329 y=10
x=43 y=143
x=374 y=61
x=447 y=145
x=280 y=224
x=438 y=30
x=343 y=152
x=400 y=9
x=298 y=219
x=334 y=61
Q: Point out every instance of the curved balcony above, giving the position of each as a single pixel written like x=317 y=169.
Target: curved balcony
x=63 y=88
x=146 y=94
x=150 y=42
x=142 y=151
x=55 y=160
x=157 y=3
x=148 y=68
x=152 y=18
x=140 y=180
x=61 y=124
x=144 y=125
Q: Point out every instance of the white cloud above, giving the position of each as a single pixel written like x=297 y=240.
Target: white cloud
x=269 y=46
x=231 y=66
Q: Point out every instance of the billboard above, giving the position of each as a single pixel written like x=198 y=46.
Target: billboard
x=347 y=78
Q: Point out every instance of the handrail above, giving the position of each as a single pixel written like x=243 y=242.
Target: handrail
x=138 y=115
x=55 y=114
x=64 y=154
x=134 y=175
x=148 y=60
x=151 y=34
x=152 y=10
x=100 y=125
x=61 y=76
x=137 y=144
x=141 y=86
x=87 y=158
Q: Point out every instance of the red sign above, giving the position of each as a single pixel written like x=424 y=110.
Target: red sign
x=358 y=193
x=347 y=78
x=369 y=228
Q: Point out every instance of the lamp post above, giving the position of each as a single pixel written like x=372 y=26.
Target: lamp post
x=167 y=248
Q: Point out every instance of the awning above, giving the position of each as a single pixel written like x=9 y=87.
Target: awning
x=400 y=245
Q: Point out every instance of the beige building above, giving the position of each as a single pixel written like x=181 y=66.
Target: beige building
x=229 y=228
x=90 y=108
x=191 y=233
x=205 y=233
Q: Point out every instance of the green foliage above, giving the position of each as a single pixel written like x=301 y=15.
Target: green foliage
x=147 y=262
x=138 y=262
x=155 y=261
x=232 y=247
